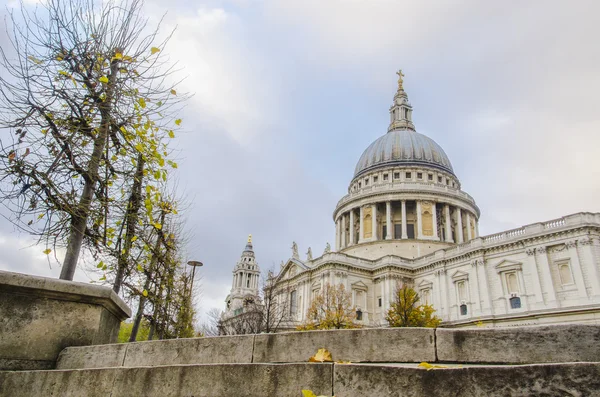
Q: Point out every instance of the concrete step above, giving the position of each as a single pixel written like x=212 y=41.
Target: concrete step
x=515 y=345
x=282 y=380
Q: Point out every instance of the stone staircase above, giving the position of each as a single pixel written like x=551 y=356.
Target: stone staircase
x=560 y=360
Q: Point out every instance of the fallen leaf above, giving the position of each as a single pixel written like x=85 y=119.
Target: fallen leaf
x=323 y=355
x=429 y=367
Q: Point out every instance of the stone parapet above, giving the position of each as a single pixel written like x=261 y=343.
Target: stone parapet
x=39 y=317
x=523 y=345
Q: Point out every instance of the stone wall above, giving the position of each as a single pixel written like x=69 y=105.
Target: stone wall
x=39 y=317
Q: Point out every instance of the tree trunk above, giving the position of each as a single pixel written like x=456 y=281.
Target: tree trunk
x=79 y=219
x=131 y=217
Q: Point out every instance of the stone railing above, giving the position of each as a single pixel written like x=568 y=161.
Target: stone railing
x=405 y=186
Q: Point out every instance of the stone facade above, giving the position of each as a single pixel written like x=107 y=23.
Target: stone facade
x=406 y=221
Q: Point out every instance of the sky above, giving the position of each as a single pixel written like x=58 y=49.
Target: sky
x=288 y=94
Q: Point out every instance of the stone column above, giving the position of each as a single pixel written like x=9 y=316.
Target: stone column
x=469 y=236
x=434 y=217
x=404 y=234
x=476 y=228
x=449 y=238
x=351 y=228
x=459 y=226
x=474 y=287
x=374 y=219
x=576 y=265
x=337 y=235
x=535 y=276
x=587 y=256
x=419 y=220
x=343 y=231
x=361 y=233
x=542 y=260
x=388 y=220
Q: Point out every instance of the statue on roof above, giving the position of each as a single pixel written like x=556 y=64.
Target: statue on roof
x=309 y=254
x=250 y=238
x=295 y=250
x=327 y=249
x=400 y=81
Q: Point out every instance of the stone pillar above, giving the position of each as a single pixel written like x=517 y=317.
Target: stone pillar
x=476 y=228
x=404 y=234
x=587 y=254
x=535 y=277
x=469 y=236
x=542 y=260
x=343 y=231
x=419 y=221
x=474 y=287
x=351 y=228
x=449 y=238
x=337 y=235
x=374 y=219
x=576 y=265
x=459 y=232
x=388 y=220
x=361 y=232
x=434 y=217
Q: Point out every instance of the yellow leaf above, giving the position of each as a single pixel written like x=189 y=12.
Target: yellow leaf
x=47 y=251
x=178 y=122
x=308 y=393
x=118 y=55
x=173 y=92
x=429 y=367
x=142 y=102
x=103 y=79
x=133 y=239
x=323 y=355
x=157 y=225
x=154 y=50
x=34 y=59
x=171 y=134
x=145 y=293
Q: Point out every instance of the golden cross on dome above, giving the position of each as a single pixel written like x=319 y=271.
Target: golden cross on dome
x=249 y=238
x=400 y=81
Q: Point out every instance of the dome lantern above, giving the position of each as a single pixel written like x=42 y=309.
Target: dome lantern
x=401 y=110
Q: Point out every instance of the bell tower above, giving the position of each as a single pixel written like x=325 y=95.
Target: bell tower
x=246 y=274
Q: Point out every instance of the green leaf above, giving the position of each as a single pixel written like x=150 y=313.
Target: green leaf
x=142 y=102
x=104 y=79
x=145 y=293
x=100 y=265
x=178 y=122
x=171 y=134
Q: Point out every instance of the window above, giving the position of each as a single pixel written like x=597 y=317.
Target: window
x=463 y=310
x=359 y=184
x=426 y=296
x=380 y=302
x=293 y=303
x=564 y=270
x=419 y=175
x=366 y=181
x=384 y=231
x=462 y=291
x=375 y=179
x=385 y=177
x=515 y=302
x=248 y=283
x=439 y=179
x=430 y=177
x=358 y=315
x=397 y=230
x=512 y=283
x=396 y=175
x=448 y=182
x=410 y=231
x=409 y=175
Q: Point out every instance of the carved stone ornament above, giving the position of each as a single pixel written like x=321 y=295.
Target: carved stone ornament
x=586 y=241
x=571 y=244
x=327 y=249
x=530 y=251
x=541 y=250
x=295 y=251
x=309 y=254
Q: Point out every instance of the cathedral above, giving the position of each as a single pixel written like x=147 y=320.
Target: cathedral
x=406 y=221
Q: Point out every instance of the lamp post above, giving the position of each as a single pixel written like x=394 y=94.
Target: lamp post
x=194 y=264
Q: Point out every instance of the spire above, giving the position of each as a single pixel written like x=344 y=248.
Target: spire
x=401 y=110
x=249 y=244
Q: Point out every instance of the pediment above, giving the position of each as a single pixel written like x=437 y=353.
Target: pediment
x=291 y=268
x=507 y=265
x=425 y=284
x=460 y=276
x=359 y=286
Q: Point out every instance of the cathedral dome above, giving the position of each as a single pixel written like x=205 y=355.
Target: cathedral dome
x=403 y=147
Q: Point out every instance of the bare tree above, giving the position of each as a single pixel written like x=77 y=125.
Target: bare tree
x=87 y=98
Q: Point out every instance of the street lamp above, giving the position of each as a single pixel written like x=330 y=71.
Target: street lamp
x=194 y=264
